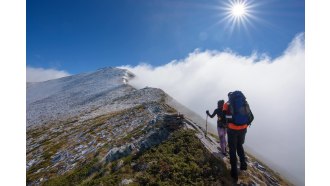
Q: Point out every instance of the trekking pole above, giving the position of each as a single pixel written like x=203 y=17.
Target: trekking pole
x=206 y=125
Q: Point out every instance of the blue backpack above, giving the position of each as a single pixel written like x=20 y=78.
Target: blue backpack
x=239 y=108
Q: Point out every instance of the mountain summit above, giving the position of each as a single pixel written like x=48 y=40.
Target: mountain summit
x=96 y=129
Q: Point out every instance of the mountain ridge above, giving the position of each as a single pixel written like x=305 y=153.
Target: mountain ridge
x=103 y=119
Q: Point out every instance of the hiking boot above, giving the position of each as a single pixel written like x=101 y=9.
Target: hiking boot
x=234 y=181
x=243 y=166
x=234 y=175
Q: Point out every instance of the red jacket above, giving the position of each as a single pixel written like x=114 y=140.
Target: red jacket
x=232 y=125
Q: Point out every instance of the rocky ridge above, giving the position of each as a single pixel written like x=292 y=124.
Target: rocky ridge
x=94 y=128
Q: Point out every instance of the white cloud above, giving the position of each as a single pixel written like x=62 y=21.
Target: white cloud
x=275 y=89
x=41 y=74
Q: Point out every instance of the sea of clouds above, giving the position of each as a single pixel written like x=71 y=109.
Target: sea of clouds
x=275 y=90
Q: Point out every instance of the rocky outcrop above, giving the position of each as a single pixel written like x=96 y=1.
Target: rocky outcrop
x=162 y=127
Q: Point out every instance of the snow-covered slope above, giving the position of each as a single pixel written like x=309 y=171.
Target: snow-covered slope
x=70 y=96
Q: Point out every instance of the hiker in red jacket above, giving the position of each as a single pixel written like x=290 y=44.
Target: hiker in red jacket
x=221 y=125
x=236 y=137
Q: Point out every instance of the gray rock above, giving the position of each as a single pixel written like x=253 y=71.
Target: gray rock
x=126 y=181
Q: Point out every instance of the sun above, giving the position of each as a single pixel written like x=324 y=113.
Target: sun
x=238 y=9
x=237 y=14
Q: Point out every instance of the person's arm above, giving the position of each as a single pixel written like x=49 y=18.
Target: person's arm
x=212 y=115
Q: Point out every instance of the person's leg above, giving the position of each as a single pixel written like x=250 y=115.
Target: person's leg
x=232 y=143
x=219 y=134
x=222 y=136
x=240 y=149
x=225 y=139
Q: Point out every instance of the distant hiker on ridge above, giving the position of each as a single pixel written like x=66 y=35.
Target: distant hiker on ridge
x=221 y=125
x=239 y=116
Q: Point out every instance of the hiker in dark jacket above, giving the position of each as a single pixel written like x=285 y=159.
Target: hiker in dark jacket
x=236 y=138
x=221 y=125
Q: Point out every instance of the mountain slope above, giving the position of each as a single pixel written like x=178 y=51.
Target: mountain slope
x=70 y=96
x=93 y=129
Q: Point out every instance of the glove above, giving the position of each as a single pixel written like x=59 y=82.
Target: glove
x=207 y=112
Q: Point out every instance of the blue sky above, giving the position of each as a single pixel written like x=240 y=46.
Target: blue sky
x=83 y=35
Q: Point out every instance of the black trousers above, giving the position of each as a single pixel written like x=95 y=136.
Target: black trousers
x=236 y=140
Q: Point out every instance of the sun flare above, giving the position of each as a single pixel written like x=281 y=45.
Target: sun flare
x=238 y=9
x=237 y=14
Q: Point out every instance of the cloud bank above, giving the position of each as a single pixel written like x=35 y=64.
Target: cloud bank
x=41 y=74
x=275 y=90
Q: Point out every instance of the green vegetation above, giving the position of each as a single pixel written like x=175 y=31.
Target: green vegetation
x=46 y=156
x=75 y=177
x=170 y=109
x=35 y=133
x=135 y=133
x=181 y=160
